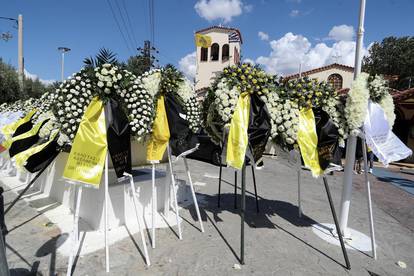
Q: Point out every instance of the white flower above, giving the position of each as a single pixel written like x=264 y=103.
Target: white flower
x=357 y=102
x=107 y=91
x=100 y=84
x=104 y=71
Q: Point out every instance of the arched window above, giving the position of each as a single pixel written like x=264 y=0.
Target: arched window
x=215 y=48
x=204 y=54
x=336 y=81
x=225 y=52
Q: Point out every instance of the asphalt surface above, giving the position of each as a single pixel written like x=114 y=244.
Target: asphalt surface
x=277 y=242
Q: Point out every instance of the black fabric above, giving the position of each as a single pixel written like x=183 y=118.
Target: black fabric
x=181 y=136
x=43 y=158
x=328 y=139
x=23 y=127
x=119 y=137
x=259 y=127
x=358 y=152
x=24 y=144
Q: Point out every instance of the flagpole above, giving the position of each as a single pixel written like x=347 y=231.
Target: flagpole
x=352 y=140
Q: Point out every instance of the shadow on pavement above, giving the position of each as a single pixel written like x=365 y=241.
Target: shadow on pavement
x=268 y=208
x=283 y=209
x=49 y=248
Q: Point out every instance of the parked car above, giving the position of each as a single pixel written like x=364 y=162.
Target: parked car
x=207 y=151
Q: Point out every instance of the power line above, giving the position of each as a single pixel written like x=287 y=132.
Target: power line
x=151 y=20
x=119 y=27
x=125 y=25
x=129 y=23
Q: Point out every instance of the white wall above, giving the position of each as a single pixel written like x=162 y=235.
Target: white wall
x=347 y=76
x=206 y=69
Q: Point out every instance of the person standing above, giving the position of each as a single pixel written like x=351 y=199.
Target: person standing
x=370 y=156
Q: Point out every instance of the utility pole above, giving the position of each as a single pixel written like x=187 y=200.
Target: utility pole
x=63 y=50
x=20 y=58
x=146 y=52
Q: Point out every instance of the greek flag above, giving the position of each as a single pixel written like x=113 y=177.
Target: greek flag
x=234 y=37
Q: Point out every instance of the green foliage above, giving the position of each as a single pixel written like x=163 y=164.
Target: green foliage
x=170 y=79
x=138 y=65
x=104 y=56
x=9 y=85
x=393 y=56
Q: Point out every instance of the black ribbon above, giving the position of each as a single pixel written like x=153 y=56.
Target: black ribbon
x=23 y=128
x=181 y=136
x=24 y=144
x=118 y=136
x=328 y=139
x=259 y=127
x=43 y=158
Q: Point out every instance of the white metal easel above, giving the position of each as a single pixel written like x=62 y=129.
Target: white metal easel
x=75 y=231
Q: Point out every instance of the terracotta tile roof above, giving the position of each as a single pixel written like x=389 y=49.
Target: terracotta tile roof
x=320 y=69
x=399 y=96
x=222 y=28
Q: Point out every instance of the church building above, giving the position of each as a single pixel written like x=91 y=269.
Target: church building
x=338 y=75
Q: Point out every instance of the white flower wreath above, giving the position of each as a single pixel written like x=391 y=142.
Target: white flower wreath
x=379 y=93
x=284 y=115
x=140 y=101
x=191 y=106
x=357 y=103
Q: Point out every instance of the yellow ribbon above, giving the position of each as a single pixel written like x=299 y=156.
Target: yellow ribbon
x=86 y=159
x=308 y=141
x=9 y=129
x=160 y=133
x=22 y=157
x=35 y=129
x=238 y=138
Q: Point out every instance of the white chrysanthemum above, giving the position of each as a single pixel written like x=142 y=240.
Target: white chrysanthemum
x=387 y=104
x=185 y=90
x=151 y=83
x=357 y=103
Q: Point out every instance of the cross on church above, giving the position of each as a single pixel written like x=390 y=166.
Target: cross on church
x=336 y=57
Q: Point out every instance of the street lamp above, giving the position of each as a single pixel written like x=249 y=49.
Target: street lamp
x=63 y=50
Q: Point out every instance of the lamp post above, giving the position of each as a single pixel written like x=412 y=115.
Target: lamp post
x=63 y=50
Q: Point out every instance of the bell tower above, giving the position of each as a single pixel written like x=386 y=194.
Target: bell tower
x=224 y=51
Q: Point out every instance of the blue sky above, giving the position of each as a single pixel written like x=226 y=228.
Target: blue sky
x=293 y=31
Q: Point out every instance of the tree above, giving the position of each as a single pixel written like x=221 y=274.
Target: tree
x=393 y=56
x=9 y=85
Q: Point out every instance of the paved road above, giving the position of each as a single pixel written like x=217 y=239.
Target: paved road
x=277 y=241
x=397 y=179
